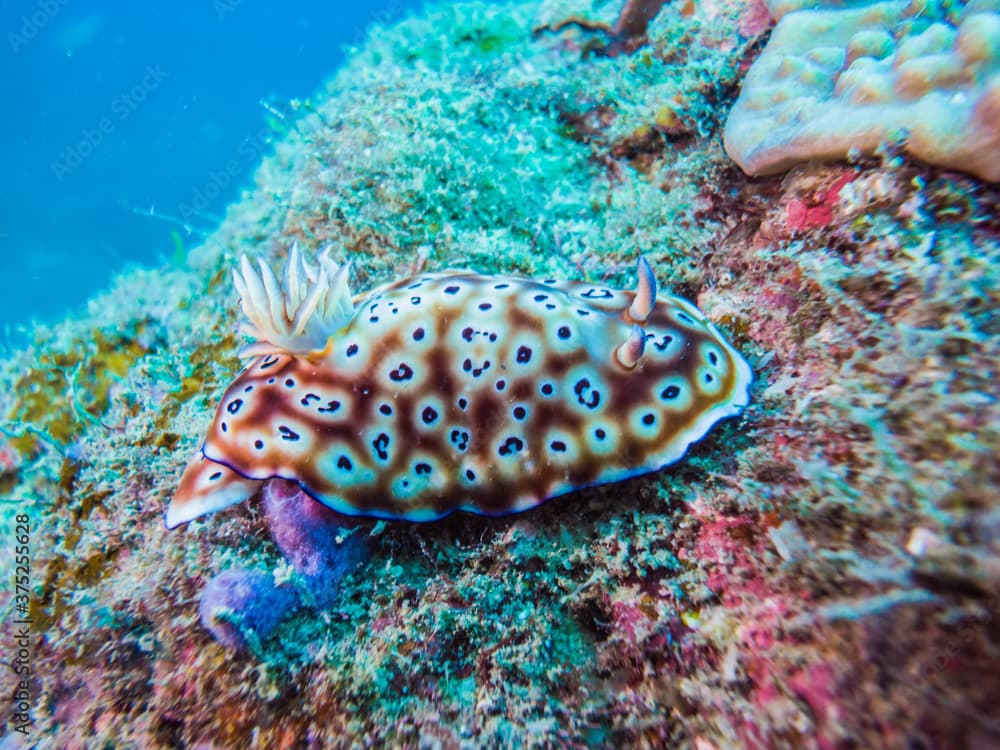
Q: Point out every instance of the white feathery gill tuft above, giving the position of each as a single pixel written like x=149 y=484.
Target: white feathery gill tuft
x=297 y=315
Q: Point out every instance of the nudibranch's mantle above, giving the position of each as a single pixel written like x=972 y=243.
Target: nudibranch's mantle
x=457 y=391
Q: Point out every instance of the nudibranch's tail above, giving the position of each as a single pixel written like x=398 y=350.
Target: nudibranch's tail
x=206 y=487
x=298 y=314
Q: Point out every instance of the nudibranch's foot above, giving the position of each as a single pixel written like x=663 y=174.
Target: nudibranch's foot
x=319 y=543
x=242 y=607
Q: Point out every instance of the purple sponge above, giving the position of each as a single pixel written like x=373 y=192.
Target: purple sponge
x=307 y=532
x=241 y=606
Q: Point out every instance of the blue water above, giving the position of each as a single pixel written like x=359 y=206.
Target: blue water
x=116 y=109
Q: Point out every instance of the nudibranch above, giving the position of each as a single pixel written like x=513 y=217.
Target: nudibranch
x=456 y=391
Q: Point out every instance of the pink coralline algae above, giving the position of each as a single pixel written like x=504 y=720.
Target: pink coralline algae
x=754 y=19
x=816 y=211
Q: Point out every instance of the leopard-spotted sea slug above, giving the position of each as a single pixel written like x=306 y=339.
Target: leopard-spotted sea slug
x=456 y=391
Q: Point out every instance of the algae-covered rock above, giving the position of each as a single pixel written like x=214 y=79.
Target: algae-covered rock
x=822 y=572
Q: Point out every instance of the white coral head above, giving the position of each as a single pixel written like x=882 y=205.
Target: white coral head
x=297 y=315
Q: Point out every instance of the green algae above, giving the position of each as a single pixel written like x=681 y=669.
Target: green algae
x=85 y=375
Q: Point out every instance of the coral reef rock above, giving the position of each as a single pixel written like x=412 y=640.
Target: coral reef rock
x=838 y=80
x=821 y=572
